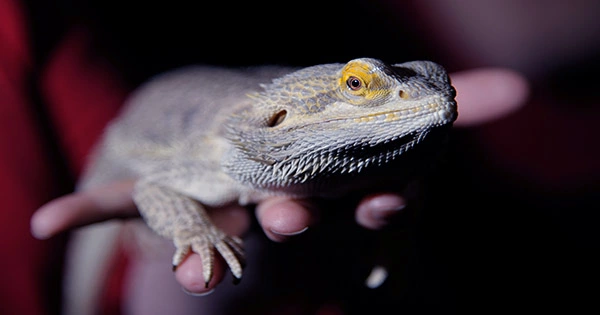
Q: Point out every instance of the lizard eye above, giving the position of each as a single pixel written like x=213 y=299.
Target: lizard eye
x=354 y=83
x=277 y=119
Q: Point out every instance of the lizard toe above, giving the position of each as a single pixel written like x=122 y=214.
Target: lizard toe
x=230 y=248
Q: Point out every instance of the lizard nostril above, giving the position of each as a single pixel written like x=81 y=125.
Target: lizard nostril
x=277 y=119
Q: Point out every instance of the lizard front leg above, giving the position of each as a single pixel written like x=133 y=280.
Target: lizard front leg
x=182 y=219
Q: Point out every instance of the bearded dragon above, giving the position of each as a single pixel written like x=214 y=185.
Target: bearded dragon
x=205 y=136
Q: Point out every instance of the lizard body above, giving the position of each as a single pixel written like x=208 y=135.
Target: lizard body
x=206 y=136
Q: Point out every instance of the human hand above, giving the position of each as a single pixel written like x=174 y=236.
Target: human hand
x=482 y=95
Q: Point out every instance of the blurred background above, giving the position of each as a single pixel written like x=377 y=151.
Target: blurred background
x=512 y=222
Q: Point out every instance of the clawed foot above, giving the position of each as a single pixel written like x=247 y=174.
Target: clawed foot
x=202 y=242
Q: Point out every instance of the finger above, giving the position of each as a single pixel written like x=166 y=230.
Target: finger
x=488 y=93
x=189 y=275
x=282 y=218
x=81 y=208
x=376 y=211
x=233 y=219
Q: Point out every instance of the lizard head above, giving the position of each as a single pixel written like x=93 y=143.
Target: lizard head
x=334 y=119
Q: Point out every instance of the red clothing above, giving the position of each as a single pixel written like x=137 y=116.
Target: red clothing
x=79 y=93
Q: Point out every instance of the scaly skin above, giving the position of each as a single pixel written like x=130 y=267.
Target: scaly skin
x=208 y=137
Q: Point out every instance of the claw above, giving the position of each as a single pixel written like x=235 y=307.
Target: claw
x=203 y=247
x=179 y=256
x=202 y=243
x=230 y=258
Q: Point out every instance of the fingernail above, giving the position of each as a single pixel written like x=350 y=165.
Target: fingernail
x=198 y=294
x=377 y=277
x=289 y=233
x=384 y=206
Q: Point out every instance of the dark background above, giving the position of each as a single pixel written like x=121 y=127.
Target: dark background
x=144 y=38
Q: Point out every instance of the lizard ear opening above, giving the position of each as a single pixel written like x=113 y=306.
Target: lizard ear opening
x=403 y=94
x=277 y=119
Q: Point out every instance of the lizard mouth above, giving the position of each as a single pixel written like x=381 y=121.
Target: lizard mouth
x=402 y=114
x=386 y=116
